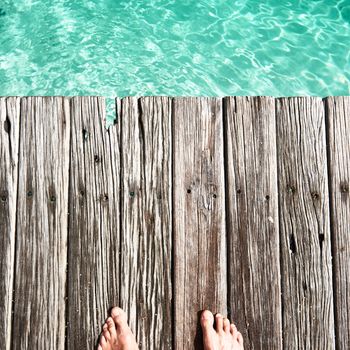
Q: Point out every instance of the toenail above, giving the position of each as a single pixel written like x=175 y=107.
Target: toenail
x=206 y=315
x=218 y=315
x=115 y=312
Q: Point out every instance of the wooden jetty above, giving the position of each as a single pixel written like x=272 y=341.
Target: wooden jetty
x=239 y=205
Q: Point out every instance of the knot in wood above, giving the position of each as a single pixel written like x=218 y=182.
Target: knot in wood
x=85 y=134
x=315 y=195
x=291 y=189
x=7 y=125
x=344 y=188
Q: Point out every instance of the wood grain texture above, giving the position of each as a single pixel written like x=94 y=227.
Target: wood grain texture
x=9 y=143
x=147 y=219
x=41 y=233
x=252 y=220
x=199 y=215
x=97 y=206
x=338 y=116
x=307 y=298
x=93 y=257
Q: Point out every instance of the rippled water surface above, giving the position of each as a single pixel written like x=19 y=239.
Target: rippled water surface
x=178 y=47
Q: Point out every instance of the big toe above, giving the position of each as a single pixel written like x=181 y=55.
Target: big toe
x=119 y=317
x=207 y=320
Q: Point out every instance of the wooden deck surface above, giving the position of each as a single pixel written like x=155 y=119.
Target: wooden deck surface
x=237 y=204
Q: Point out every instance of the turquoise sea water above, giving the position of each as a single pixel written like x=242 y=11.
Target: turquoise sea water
x=175 y=47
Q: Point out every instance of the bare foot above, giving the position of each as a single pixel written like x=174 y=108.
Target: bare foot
x=116 y=334
x=224 y=337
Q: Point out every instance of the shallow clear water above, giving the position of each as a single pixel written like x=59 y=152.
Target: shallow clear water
x=178 y=47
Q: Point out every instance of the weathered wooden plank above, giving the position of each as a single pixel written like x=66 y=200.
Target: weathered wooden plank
x=93 y=256
x=338 y=116
x=252 y=220
x=41 y=232
x=9 y=141
x=307 y=298
x=199 y=215
x=147 y=219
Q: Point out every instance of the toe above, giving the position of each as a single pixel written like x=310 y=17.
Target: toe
x=239 y=338
x=111 y=326
x=219 y=322
x=226 y=325
x=119 y=317
x=107 y=335
x=233 y=330
x=105 y=326
x=99 y=347
x=103 y=341
x=207 y=320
